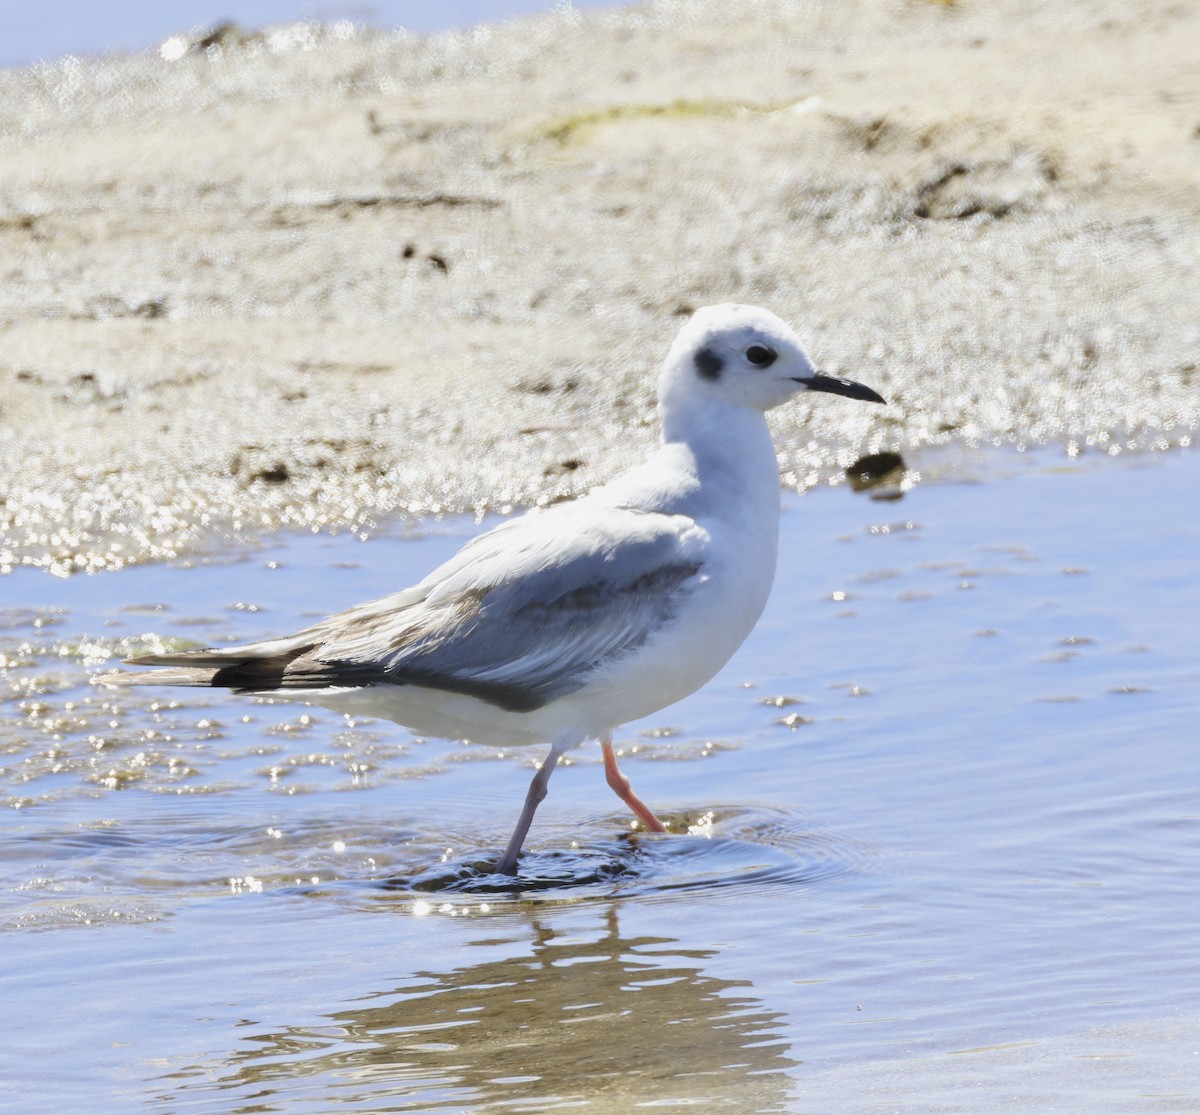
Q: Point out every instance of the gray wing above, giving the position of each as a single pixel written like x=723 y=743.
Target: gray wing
x=521 y=616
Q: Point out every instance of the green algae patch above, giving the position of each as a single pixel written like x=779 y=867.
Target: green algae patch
x=571 y=128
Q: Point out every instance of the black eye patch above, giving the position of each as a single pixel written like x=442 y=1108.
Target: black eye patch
x=761 y=356
x=708 y=364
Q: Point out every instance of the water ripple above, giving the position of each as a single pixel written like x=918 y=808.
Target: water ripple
x=727 y=849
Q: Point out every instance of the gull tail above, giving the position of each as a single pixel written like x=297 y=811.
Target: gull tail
x=119 y=679
x=239 y=671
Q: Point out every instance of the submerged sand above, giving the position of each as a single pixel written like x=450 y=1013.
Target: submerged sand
x=320 y=276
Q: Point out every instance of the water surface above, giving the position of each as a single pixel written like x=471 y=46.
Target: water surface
x=32 y=33
x=936 y=840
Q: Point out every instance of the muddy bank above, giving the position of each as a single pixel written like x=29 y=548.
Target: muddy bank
x=308 y=276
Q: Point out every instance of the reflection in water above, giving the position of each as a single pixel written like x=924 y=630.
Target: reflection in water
x=585 y=1020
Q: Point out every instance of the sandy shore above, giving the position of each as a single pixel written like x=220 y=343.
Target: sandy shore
x=314 y=277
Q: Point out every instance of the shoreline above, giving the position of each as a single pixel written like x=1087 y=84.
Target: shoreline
x=221 y=541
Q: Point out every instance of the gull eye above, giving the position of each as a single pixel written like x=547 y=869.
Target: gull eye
x=761 y=356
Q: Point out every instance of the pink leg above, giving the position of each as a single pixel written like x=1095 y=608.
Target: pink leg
x=623 y=790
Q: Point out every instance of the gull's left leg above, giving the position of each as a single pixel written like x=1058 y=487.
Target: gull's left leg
x=535 y=796
x=622 y=788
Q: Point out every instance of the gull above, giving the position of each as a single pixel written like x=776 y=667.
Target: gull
x=560 y=625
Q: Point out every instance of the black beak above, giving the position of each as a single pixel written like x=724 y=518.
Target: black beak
x=835 y=385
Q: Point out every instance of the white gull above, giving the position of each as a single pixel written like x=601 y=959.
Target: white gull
x=560 y=625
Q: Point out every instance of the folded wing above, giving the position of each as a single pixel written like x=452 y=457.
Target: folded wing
x=520 y=617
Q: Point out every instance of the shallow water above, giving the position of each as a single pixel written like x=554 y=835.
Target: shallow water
x=29 y=34
x=937 y=840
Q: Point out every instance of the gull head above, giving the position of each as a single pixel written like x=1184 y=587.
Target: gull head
x=747 y=357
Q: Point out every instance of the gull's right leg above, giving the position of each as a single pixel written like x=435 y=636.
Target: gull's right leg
x=534 y=798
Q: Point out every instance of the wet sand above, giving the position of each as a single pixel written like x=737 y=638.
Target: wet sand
x=306 y=277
